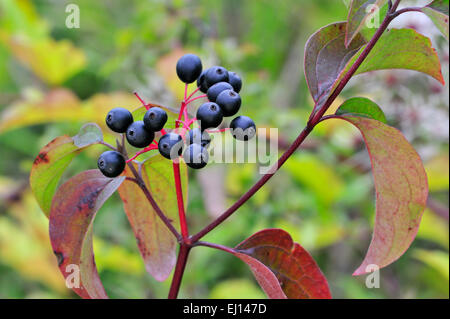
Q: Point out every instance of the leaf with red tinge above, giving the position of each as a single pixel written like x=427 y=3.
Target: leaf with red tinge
x=283 y=268
x=156 y=243
x=326 y=56
x=71 y=223
x=401 y=191
x=327 y=60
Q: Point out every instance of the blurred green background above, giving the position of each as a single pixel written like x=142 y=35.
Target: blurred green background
x=54 y=79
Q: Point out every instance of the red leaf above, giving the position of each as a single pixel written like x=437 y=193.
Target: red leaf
x=72 y=213
x=401 y=191
x=282 y=268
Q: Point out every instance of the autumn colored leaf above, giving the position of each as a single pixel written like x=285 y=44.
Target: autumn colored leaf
x=327 y=59
x=437 y=11
x=52 y=61
x=61 y=105
x=360 y=12
x=282 y=268
x=71 y=226
x=362 y=106
x=401 y=191
x=156 y=243
x=326 y=56
x=54 y=158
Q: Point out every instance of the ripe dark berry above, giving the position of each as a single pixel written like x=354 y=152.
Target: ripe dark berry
x=196 y=156
x=209 y=115
x=229 y=101
x=111 y=163
x=196 y=136
x=235 y=81
x=243 y=128
x=189 y=68
x=138 y=136
x=201 y=82
x=216 y=89
x=118 y=119
x=155 y=119
x=171 y=145
x=215 y=75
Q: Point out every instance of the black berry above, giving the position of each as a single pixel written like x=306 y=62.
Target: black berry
x=118 y=119
x=196 y=136
x=111 y=163
x=216 y=89
x=138 y=136
x=155 y=119
x=209 y=115
x=215 y=75
x=201 y=82
x=235 y=81
x=171 y=145
x=229 y=101
x=196 y=156
x=243 y=128
x=189 y=68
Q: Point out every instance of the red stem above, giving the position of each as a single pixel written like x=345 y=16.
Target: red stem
x=181 y=212
x=179 y=271
x=196 y=98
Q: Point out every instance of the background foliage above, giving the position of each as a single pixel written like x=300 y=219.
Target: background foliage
x=54 y=79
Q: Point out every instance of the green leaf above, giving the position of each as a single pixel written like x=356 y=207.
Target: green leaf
x=401 y=49
x=401 y=191
x=361 y=106
x=437 y=11
x=360 y=12
x=156 y=243
x=71 y=225
x=53 y=160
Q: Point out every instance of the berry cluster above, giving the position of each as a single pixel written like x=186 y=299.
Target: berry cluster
x=222 y=91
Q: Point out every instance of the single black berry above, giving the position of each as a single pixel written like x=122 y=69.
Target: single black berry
x=155 y=119
x=196 y=136
x=171 y=145
x=118 y=119
x=229 y=101
x=209 y=115
x=215 y=75
x=216 y=89
x=196 y=156
x=201 y=82
x=243 y=128
x=189 y=68
x=111 y=163
x=235 y=81
x=138 y=135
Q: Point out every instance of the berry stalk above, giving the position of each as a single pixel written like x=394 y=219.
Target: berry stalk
x=315 y=119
